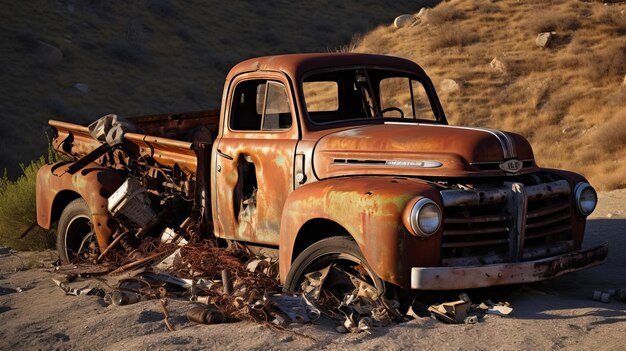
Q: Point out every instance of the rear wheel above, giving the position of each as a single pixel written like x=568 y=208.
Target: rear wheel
x=76 y=240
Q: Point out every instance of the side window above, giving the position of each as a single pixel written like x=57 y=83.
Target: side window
x=277 y=114
x=260 y=105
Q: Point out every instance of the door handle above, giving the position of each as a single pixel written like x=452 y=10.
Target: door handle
x=228 y=157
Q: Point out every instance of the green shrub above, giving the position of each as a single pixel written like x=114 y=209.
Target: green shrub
x=18 y=212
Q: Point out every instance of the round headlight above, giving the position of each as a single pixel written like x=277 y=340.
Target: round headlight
x=585 y=198
x=424 y=218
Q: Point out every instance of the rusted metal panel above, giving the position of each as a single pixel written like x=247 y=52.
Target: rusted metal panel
x=499 y=194
x=169 y=125
x=294 y=65
x=257 y=221
x=75 y=140
x=410 y=149
x=93 y=183
x=451 y=278
x=268 y=157
x=370 y=209
x=166 y=152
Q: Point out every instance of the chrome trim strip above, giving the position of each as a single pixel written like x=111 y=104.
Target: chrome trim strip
x=496 y=162
x=391 y=163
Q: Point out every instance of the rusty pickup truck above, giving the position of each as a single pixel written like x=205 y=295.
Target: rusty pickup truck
x=321 y=159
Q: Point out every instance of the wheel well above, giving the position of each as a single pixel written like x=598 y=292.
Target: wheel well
x=315 y=230
x=62 y=199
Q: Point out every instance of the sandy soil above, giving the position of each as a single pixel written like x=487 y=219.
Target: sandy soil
x=559 y=314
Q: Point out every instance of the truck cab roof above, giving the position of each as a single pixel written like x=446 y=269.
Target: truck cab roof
x=296 y=65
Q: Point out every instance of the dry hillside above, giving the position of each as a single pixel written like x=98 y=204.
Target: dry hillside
x=569 y=99
x=148 y=56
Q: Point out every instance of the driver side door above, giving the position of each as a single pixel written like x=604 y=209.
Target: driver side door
x=255 y=159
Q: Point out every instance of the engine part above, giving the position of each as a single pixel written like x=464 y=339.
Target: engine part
x=131 y=201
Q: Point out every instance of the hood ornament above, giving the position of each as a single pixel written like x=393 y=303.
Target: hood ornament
x=511 y=166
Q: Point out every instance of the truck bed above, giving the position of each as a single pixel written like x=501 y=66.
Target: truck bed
x=168 y=138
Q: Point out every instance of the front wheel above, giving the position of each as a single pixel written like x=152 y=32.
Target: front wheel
x=340 y=250
x=339 y=275
x=76 y=240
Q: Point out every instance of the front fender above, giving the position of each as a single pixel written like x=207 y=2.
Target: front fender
x=370 y=209
x=93 y=183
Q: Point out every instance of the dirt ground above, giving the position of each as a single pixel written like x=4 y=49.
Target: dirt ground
x=559 y=314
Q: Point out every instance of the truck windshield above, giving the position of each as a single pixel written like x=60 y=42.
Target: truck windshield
x=352 y=94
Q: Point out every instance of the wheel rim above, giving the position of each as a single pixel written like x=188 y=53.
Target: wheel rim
x=348 y=262
x=78 y=238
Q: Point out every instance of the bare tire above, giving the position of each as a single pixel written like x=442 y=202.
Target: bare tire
x=341 y=250
x=75 y=238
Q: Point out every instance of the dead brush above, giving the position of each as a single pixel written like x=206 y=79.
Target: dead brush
x=611 y=137
x=452 y=36
x=444 y=14
x=550 y=22
x=605 y=65
x=614 y=19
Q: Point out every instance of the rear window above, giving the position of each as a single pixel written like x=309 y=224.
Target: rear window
x=321 y=96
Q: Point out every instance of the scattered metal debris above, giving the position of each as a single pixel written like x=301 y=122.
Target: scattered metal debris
x=455 y=312
x=121 y=298
x=78 y=292
x=232 y=284
x=463 y=311
x=500 y=310
x=606 y=296
x=166 y=314
x=205 y=315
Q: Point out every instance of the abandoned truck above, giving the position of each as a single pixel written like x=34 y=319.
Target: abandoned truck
x=324 y=158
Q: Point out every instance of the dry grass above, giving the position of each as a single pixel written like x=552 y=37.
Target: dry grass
x=451 y=36
x=611 y=136
x=549 y=22
x=615 y=19
x=605 y=65
x=443 y=14
x=568 y=99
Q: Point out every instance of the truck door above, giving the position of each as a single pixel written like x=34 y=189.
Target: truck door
x=255 y=157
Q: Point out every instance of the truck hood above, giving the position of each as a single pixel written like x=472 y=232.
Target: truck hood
x=422 y=150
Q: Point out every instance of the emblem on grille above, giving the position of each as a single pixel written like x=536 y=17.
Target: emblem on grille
x=511 y=166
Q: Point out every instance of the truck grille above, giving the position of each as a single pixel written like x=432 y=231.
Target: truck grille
x=548 y=221
x=480 y=233
x=475 y=230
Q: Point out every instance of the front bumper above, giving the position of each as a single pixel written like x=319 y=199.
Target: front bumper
x=453 y=278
